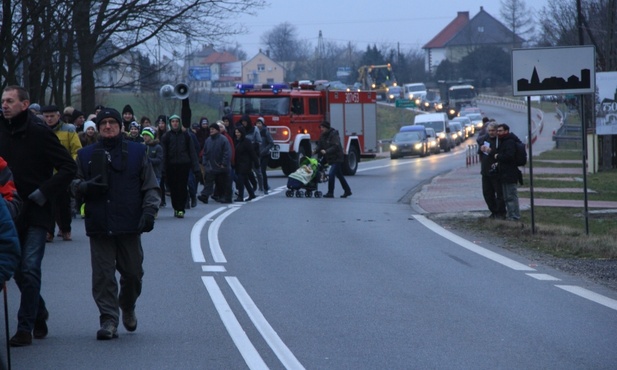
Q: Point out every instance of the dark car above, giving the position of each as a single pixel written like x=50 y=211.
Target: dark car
x=394 y=93
x=409 y=143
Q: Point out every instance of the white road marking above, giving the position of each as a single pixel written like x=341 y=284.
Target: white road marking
x=213 y=268
x=402 y=162
x=237 y=334
x=213 y=236
x=544 y=277
x=588 y=294
x=196 y=251
x=267 y=332
x=471 y=246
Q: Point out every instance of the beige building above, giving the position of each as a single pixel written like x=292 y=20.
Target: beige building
x=262 y=70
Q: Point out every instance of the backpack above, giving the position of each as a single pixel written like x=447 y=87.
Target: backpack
x=520 y=156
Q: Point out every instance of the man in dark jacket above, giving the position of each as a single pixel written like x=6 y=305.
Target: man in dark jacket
x=491 y=186
x=267 y=143
x=179 y=158
x=119 y=187
x=329 y=145
x=216 y=160
x=33 y=152
x=509 y=174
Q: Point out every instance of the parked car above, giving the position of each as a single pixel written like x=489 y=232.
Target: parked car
x=468 y=128
x=394 y=93
x=456 y=132
x=409 y=143
x=433 y=140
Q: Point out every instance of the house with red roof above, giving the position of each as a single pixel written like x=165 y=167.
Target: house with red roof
x=463 y=35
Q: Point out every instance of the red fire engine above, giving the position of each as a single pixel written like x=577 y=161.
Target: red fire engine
x=293 y=116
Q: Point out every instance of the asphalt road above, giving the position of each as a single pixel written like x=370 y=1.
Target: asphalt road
x=357 y=283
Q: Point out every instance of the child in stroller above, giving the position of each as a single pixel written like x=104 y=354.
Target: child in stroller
x=303 y=182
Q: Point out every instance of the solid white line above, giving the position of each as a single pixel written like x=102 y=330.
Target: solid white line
x=213 y=268
x=213 y=236
x=588 y=294
x=286 y=357
x=198 y=254
x=237 y=334
x=471 y=246
x=544 y=277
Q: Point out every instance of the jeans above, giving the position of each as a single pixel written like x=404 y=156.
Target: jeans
x=28 y=278
x=510 y=194
x=336 y=169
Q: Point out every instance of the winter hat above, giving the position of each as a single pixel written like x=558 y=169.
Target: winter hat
x=35 y=107
x=196 y=125
x=175 y=116
x=134 y=124
x=127 y=108
x=99 y=107
x=261 y=119
x=76 y=114
x=50 y=109
x=148 y=131
x=108 y=113
x=204 y=120
x=215 y=126
x=89 y=124
x=325 y=124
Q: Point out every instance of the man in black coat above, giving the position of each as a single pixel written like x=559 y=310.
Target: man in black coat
x=329 y=145
x=509 y=174
x=491 y=185
x=32 y=152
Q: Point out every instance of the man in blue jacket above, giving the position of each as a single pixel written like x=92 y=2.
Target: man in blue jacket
x=122 y=196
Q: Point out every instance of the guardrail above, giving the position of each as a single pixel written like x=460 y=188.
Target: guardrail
x=518 y=105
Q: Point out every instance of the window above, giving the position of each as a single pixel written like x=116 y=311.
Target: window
x=261 y=67
x=480 y=28
x=313 y=106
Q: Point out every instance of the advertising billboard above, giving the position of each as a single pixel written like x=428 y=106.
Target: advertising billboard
x=606 y=103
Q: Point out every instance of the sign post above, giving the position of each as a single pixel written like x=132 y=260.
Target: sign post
x=544 y=71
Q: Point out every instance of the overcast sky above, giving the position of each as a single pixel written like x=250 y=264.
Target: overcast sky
x=409 y=23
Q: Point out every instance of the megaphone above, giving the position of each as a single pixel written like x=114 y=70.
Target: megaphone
x=180 y=91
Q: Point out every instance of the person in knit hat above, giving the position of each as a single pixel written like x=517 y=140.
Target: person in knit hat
x=134 y=133
x=78 y=120
x=154 y=151
x=89 y=135
x=180 y=158
x=117 y=183
x=128 y=116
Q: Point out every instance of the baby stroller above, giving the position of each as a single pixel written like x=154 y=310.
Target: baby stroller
x=303 y=182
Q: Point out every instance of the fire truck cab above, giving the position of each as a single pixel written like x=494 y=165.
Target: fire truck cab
x=293 y=115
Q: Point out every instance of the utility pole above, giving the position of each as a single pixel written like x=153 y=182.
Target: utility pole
x=320 y=55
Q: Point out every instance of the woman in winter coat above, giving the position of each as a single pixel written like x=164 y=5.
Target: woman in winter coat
x=180 y=158
x=88 y=135
x=246 y=159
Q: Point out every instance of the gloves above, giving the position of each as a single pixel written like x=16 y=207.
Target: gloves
x=146 y=222
x=38 y=197
x=92 y=187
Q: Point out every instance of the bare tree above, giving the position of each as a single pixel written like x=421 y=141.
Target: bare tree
x=130 y=23
x=283 y=44
x=518 y=18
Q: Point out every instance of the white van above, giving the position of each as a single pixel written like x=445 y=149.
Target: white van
x=415 y=91
x=439 y=123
